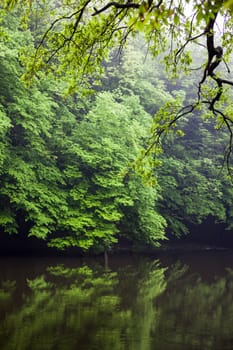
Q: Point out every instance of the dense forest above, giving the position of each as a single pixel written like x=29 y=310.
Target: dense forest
x=75 y=170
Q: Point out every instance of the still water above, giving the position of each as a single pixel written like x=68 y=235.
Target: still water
x=172 y=302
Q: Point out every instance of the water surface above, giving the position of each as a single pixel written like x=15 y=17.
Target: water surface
x=172 y=302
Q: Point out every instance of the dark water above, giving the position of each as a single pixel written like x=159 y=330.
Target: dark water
x=176 y=302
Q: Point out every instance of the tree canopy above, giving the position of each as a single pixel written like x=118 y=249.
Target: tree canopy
x=80 y=35
x=71 y=164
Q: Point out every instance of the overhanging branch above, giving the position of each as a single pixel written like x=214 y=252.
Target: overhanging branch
x=128 y=5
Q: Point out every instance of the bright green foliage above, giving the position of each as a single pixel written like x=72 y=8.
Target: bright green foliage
x=67 y=164
x=66 y=168
x=78 y=36
x=191 y=183
x=103 y=147
x=143 y=218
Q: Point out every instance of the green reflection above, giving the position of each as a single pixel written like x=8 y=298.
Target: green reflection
x=136 y=307
x=6 y=290
x=85 y=308
x=196 y=314
x=144 y=313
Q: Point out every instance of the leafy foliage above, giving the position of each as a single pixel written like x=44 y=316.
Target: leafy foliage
x=65 y=174
x=67 y=163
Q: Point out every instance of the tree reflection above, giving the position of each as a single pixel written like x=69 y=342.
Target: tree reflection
x=84 y=308
x=196 y=314
x=143 y=307
x=6 y=290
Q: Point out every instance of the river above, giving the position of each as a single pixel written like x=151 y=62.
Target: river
x=175 y=301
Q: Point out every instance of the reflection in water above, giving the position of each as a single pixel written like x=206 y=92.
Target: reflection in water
x=142 y=306
x=196 y=314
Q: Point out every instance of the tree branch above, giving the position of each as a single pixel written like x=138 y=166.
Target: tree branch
x=117 y=5
x=128 y=5
x=80 y=13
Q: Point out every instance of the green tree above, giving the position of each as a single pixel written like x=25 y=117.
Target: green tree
x=79 y=36
x=102 y=193
x=65 y=172
x=66 y=162
x=192 y=178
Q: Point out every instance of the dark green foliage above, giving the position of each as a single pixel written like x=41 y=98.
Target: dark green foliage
x=193 y=179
